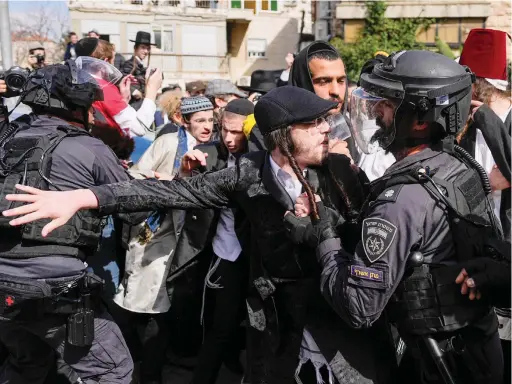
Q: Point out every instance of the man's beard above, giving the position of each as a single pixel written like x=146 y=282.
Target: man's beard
x=381 y=135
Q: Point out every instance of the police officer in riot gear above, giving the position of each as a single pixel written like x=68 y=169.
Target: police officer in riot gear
x=49 y=304
x=430 y=210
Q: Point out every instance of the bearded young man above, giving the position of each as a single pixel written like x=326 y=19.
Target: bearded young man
x=284 y=298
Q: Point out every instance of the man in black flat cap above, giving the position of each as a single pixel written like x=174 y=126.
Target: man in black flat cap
x=135 y=66
x=284 y=298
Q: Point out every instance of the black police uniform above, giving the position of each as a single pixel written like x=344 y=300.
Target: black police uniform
x=429 y=211
x=402 y=220
x=49 y=304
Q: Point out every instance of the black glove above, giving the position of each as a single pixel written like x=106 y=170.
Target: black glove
x=488 y=272
x=302 y=230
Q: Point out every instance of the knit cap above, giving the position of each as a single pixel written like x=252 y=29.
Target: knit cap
x=195 y=104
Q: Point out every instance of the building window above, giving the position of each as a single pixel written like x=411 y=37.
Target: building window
x=269 y=5
x=163 y=38
x=256 y=48
x=256 y=5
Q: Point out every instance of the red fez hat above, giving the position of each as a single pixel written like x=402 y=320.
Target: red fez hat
x=485 y=53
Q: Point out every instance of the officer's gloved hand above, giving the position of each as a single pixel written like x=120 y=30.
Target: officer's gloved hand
x=305 y=230
x=483 y=272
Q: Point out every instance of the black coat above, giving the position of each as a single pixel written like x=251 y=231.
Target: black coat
x=200 y=224
x=191 y=262
x=253 y=189
x=497 y=136
x=139 y=73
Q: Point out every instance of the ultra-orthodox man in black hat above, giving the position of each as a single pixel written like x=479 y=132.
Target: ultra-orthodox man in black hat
x=135 y=66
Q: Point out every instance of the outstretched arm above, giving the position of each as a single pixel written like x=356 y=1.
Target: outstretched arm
x=208 y=190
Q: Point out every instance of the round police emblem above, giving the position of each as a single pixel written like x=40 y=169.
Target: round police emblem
x=374 y=245
x=378 y=235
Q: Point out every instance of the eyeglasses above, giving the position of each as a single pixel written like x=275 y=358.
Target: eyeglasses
x=315 y=125
x=335 y=125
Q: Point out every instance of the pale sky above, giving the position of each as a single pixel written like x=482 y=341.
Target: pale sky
x=25 y=11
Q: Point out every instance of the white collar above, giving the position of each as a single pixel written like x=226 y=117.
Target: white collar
x=280 y=172
x=191 y=141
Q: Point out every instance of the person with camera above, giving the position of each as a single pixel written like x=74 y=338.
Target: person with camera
x=36 y=57
x=51 y=304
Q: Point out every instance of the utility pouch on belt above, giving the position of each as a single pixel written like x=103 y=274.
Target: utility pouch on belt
x=23 y=298
x=80 y=325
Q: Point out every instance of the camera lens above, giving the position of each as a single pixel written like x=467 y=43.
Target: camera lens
x=15 y=82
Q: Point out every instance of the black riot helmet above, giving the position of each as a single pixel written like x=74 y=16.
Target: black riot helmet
x=62 y=90
x=410 y=86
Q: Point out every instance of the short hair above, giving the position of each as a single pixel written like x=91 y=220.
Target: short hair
x=104 y=50
x=71 y=34
x=324 y=55
x=485 y=91
x=170 y=102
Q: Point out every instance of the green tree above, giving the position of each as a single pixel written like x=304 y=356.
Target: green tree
x=444 y=48
x=379 y=34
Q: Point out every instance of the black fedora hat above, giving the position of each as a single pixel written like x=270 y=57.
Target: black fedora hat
x=143 y=38
x=261 y=81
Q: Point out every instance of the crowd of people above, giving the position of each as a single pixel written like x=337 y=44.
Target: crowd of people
x=303 y=229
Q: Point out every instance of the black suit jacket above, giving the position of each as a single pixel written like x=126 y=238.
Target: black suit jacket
x=253 y=189
x=139 y=73
x=199 y=224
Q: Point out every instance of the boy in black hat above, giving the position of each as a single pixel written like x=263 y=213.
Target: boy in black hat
x=284 y=298
x=135 y=66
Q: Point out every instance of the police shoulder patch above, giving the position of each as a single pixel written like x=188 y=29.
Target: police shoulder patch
x=378 y=235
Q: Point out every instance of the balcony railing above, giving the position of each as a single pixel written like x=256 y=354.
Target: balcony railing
x=177 y=63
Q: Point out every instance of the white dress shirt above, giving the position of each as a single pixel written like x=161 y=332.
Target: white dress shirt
x=291 y=184
x=225 y=243
x=309 y=350
x=191 y=141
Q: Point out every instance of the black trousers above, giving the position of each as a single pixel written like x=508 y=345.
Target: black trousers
x=35 y=346
x=480 y=363
x=221 y=340
x=147 y=336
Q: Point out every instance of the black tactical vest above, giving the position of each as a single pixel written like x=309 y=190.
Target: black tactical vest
x=427 y=300
x=28 y=160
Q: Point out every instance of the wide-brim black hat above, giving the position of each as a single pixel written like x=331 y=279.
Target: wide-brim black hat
x=261 y=82
x=143 y=38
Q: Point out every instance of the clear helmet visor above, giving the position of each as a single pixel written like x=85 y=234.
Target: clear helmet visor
x=103 y=72
x=372 y=120
x=338 y=126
